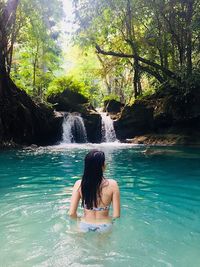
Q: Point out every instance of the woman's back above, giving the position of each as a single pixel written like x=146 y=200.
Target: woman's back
x=95 y=192
x=108 y=191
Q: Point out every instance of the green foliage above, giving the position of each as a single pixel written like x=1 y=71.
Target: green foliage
x=36 y=58
x=147 y=93
x=83 y=66
x=111 y=97
x=59 y=84
x=162 y=34
x=194 y=80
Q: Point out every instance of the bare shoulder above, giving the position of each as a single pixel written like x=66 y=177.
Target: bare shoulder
x=113 y=183
x=77 y=183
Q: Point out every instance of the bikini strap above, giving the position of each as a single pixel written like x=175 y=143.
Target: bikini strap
x=98 y=208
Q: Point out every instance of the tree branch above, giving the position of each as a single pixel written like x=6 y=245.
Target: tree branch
x=152 y=72
x=169 y=73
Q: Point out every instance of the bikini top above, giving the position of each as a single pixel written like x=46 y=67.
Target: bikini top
x=98 y=208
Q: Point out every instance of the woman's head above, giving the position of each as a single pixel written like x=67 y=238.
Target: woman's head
x=92 y=178
x=94 y=162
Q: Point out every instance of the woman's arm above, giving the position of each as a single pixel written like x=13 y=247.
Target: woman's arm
x=74 y=200
x=116 y=200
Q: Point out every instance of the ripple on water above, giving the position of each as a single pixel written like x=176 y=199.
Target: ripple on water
x=160 y=208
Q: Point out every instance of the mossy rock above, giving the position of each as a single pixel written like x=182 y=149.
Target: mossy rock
x=67 y=100
x=112 y=106
x=135 y=120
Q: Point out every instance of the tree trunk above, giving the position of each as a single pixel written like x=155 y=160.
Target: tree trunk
x=3 y=76
x=173 y=54
x=34 y=69
x=189 y=37
x=136 y=79
x=131 y=36
x=165 y=52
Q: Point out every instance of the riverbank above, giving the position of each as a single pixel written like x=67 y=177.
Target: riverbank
x=166 y=140
x=167 y=117
x=9 y=145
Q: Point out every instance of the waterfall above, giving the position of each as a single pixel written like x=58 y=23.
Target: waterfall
x=108 y=131
x=73 y=129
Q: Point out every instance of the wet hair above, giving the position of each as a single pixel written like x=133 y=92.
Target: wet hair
x=92 y=178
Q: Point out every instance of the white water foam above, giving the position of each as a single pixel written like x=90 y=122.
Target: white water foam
x=108 y=131
x=73 y=129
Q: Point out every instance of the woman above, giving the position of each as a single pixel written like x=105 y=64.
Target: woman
x=96 y=194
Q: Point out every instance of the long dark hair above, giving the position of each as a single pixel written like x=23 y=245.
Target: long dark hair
x=92 y=178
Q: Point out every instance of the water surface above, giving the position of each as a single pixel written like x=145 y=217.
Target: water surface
x=160 y=199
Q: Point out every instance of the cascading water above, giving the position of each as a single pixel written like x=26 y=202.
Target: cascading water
x=108 y=131
x=73 y=129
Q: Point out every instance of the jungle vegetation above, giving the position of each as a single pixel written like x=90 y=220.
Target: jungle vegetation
x=122 y=49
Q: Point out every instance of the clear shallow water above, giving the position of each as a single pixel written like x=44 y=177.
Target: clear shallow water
x=160 y=199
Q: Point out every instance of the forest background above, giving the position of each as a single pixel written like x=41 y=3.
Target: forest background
x=110 y=49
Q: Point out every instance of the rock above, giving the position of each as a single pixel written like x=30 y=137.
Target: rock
x=92 y=122
x=135 y=120
x=69 y=101
x=166 y=139
x=52 y=133
x=112 y=106
x=33 y=146
x=169 y=112
x=24 y=122
x=177 y=109
x=9 y=145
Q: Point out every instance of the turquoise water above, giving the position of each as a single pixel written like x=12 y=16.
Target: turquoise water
x=160 y=200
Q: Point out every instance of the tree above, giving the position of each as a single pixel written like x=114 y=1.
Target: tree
x=21 y=120
x=158 y=36
x=7 y=37
x=116 y=75
x=37 y=54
